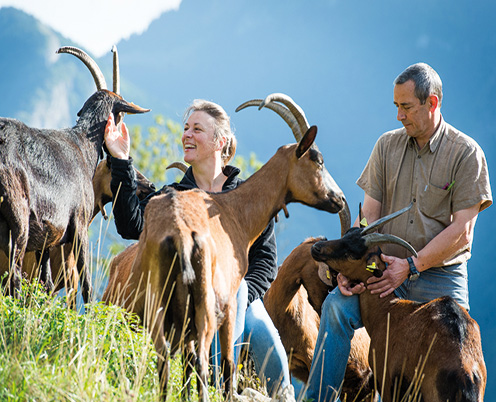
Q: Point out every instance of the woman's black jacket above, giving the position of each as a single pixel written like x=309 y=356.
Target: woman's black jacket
x=128 y=212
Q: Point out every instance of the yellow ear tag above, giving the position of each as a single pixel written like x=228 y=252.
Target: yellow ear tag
x=328 y=273
x=372 y=267
x=363 y=222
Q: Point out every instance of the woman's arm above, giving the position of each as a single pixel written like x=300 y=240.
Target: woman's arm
x=127 y=209
x=262 y=263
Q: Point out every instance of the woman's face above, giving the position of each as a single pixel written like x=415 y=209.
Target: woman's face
x=198 y=138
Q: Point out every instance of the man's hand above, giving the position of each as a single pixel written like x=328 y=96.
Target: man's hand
x=347 y=288
x=117 y=139
x=395 y=274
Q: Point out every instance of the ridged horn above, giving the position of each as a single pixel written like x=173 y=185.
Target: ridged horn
x=281 y=111
x=116 y=75
x=89 y=62
x=116 y=80
x=345 y=218
x=178 y=165
x=295 y=110
x=382 y=221
x=374 y=239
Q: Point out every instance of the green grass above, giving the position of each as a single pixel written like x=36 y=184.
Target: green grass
x=49 y=352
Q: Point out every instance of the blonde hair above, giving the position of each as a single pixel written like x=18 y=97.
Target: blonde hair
x=222 y=126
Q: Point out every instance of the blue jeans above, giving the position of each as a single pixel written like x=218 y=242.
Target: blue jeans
x=266 y=348
x=254 y=326
x=341 y=317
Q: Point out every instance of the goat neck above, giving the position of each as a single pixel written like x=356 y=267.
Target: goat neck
x=285 y=178
x=90 y=127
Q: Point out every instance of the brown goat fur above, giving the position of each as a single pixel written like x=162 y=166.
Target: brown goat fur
x=294 y=302
x=194 y=250
x=453 y=369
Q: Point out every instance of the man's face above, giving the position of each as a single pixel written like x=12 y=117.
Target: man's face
x=418 y=120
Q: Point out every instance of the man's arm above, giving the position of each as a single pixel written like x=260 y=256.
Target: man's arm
x=447 y=243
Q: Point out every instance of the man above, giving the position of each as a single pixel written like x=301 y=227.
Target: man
x=444 y=173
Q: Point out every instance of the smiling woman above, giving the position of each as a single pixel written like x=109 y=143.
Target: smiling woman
x=208 y=145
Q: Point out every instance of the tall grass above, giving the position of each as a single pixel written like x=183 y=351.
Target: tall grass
x=49 y=352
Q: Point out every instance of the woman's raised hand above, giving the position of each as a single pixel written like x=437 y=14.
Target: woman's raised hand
x=117 y=138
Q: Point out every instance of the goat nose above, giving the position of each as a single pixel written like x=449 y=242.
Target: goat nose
x=316 y=248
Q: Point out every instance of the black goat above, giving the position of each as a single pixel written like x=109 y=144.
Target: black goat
x=453 y=370
x=46 y=176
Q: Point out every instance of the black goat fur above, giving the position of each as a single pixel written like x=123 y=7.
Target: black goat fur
x=46 y=183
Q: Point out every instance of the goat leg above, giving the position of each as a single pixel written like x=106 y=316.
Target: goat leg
x=163 y=366
x=15 y=271
x=189 y=362
x=15 y=280
x=45 y=270
x=226 y=333
x=82 y=266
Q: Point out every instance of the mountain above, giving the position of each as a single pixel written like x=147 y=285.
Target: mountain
x=337 y=60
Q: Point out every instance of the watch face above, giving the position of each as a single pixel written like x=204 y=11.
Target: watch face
x=414 y=277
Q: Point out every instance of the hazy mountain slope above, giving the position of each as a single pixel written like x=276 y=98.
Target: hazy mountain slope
x=336 y=59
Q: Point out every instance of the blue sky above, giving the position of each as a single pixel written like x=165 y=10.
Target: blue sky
x=336 y=58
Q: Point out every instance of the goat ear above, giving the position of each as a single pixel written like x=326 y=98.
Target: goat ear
x=127 y=107
x=363 y=223
x=306 y=142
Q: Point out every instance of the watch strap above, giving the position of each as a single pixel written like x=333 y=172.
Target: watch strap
x=414 y=273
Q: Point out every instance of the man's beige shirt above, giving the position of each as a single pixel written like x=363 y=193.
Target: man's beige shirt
x=447 y=175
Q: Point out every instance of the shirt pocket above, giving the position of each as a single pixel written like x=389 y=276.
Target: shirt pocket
x=435 y=203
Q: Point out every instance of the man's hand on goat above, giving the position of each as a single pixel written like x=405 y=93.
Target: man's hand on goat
x=117 y=138
x=349 y=288
x=395 y=274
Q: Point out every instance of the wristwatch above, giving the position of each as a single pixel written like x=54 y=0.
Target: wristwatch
x=414 y=273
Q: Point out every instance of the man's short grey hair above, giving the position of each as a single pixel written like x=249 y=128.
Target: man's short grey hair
x=426 y=79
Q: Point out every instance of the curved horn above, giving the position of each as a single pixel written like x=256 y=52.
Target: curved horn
x=373 y=239
x=116 y=81
x=89 y=62
x=281 y=111
x=116 y=75
x=179 y=165
x=296 y=110
x=345 y=218
x=381 y=222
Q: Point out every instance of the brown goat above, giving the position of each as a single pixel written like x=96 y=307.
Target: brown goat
x=194 y=249
x=62 y=259
x=294 y=302
x=433 y=348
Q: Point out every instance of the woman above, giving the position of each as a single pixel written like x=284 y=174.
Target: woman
x=208 y=145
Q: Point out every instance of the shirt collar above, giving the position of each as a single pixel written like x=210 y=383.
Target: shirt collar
x=435 y=138
x=188 y=181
